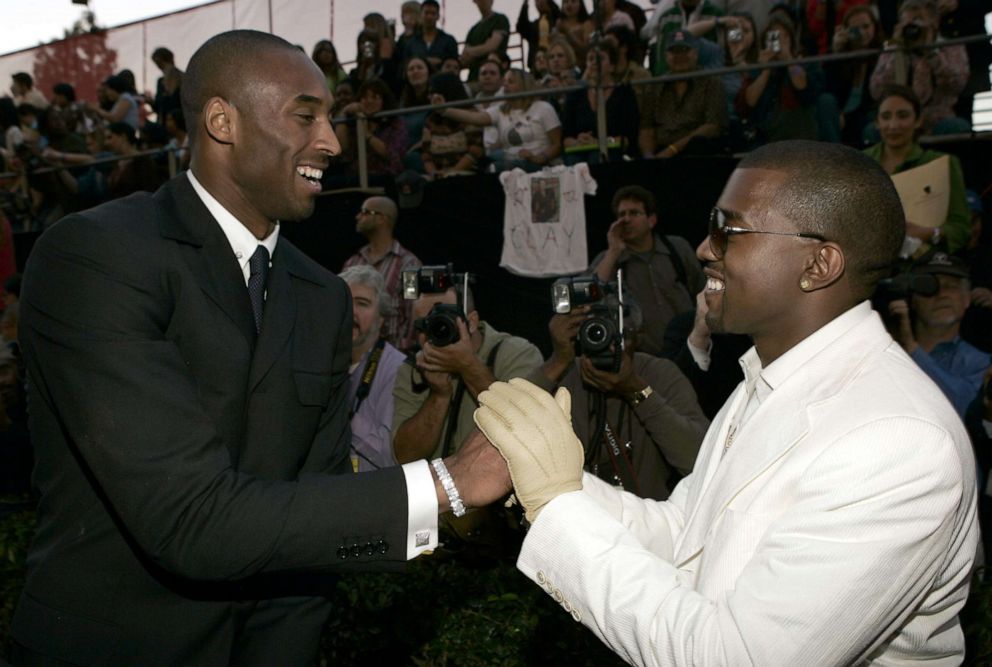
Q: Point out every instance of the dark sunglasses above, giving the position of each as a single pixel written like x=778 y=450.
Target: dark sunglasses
x=720 y=232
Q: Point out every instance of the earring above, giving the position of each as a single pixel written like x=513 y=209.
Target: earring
x=805 y=284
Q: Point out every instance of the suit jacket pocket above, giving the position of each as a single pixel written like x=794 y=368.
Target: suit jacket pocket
x=315 y=388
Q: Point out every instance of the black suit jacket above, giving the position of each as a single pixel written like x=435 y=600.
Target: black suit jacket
x=188 y=472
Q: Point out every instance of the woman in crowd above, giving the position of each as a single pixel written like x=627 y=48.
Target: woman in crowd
x=371 y=63
x=124 y=107
x=899 y=121
x=575 y=25
x=579 y=116
x=449 y=147
x=326 y=58
x=561 y=61
x=537 y=33
x=377 y=23
x=386 y=138
x=740 y=48
x=780 y=103
x=528 y=129
x=416 y=75
x=847 y=80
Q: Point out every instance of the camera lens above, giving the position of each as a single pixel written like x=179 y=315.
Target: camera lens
x=596 y=333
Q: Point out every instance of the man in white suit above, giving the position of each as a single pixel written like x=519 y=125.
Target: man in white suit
x=830 y=518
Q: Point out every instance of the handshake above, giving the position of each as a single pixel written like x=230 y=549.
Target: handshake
x=533 y=432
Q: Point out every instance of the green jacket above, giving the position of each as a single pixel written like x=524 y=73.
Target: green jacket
x=957 y=228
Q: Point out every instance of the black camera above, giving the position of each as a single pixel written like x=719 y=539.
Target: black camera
x=600 y=337
x=912 y=33
x=854 y=35
x=904 y=285
x=441 y=324
x=428 y=280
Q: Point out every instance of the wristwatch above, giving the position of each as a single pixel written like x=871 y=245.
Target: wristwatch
x=639 y=397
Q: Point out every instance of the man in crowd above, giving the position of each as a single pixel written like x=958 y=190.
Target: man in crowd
x=187 y=376
x=376 y=221
x=685 y=116
x=930 y=331
x=24 y=92
x=489 y=35
x=436 y=396
x=431 y=42
x=641 y=425
x=374 y=363
x=660 y=271
x=167 y=88
x=830 y=517
x=702 y=17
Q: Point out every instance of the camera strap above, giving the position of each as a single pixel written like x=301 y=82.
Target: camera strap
x=368 y=375
x=623 y=467
x=455 y=407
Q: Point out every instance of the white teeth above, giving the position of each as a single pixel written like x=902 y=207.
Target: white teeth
x=714 y=285
x=310 y=172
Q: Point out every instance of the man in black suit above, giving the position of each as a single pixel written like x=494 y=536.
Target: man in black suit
x=188 y=401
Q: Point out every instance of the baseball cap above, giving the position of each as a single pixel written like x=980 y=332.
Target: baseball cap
x=941 y=263
x=681 y=38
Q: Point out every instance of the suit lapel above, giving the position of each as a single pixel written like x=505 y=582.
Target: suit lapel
x=278 y=318
x=207 y=252
x=776 y=426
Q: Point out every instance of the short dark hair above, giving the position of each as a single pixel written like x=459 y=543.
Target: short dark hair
x=905 y=92
x=380 y=88
x=65 y=90
x=23 y=78
x=162 y=53
x=610 y=49
x=430 y=3
x=116 y=83
x=218 y=68
x=843 y=195
x=125 y=130
x=635 y=193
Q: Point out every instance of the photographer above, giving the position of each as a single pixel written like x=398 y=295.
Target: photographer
x=930 y=333
x=847 y=80
x=433 y=414
x=936 y=75
x=647 y=408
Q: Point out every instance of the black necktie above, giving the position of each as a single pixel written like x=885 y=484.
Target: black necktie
x=258 y=267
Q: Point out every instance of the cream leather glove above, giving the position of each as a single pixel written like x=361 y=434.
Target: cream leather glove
x=533 y=432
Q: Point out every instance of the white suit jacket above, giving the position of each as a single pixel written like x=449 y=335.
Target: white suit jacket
x=839 y=528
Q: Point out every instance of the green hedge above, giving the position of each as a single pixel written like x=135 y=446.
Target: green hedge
x=446 y=613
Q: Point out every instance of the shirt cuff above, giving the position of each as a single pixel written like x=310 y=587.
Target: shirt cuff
x=700 y=356
x=421 y=532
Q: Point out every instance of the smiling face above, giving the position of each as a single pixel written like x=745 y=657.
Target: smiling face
x=512 y=82
x=282 y=139
x=897 y=122
x=416 y=72
x=754 y=288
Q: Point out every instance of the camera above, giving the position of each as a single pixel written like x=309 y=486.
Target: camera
x=568 y=293
x=773 y=41
x=600 y=337
x=854 y=35
x=428 y=280
x=368 y=50
x=904 y=285
x=735 y=35
x=912 y=33
x=441 y=324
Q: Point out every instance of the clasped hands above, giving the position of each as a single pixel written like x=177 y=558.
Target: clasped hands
x=533 y=431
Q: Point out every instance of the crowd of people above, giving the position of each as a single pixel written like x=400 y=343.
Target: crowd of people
x=419 y=362
x=613 y=45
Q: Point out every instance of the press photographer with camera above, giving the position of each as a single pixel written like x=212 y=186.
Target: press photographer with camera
x=936 y=75
x=928 y=326
x=460 y=356
x=640 y=424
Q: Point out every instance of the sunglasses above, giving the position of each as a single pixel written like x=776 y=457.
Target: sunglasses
x=720 y=232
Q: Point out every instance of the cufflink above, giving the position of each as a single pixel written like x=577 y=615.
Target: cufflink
x=423 y=538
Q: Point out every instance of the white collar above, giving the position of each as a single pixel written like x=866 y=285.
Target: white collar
x=765 y=380
x=242 y=241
